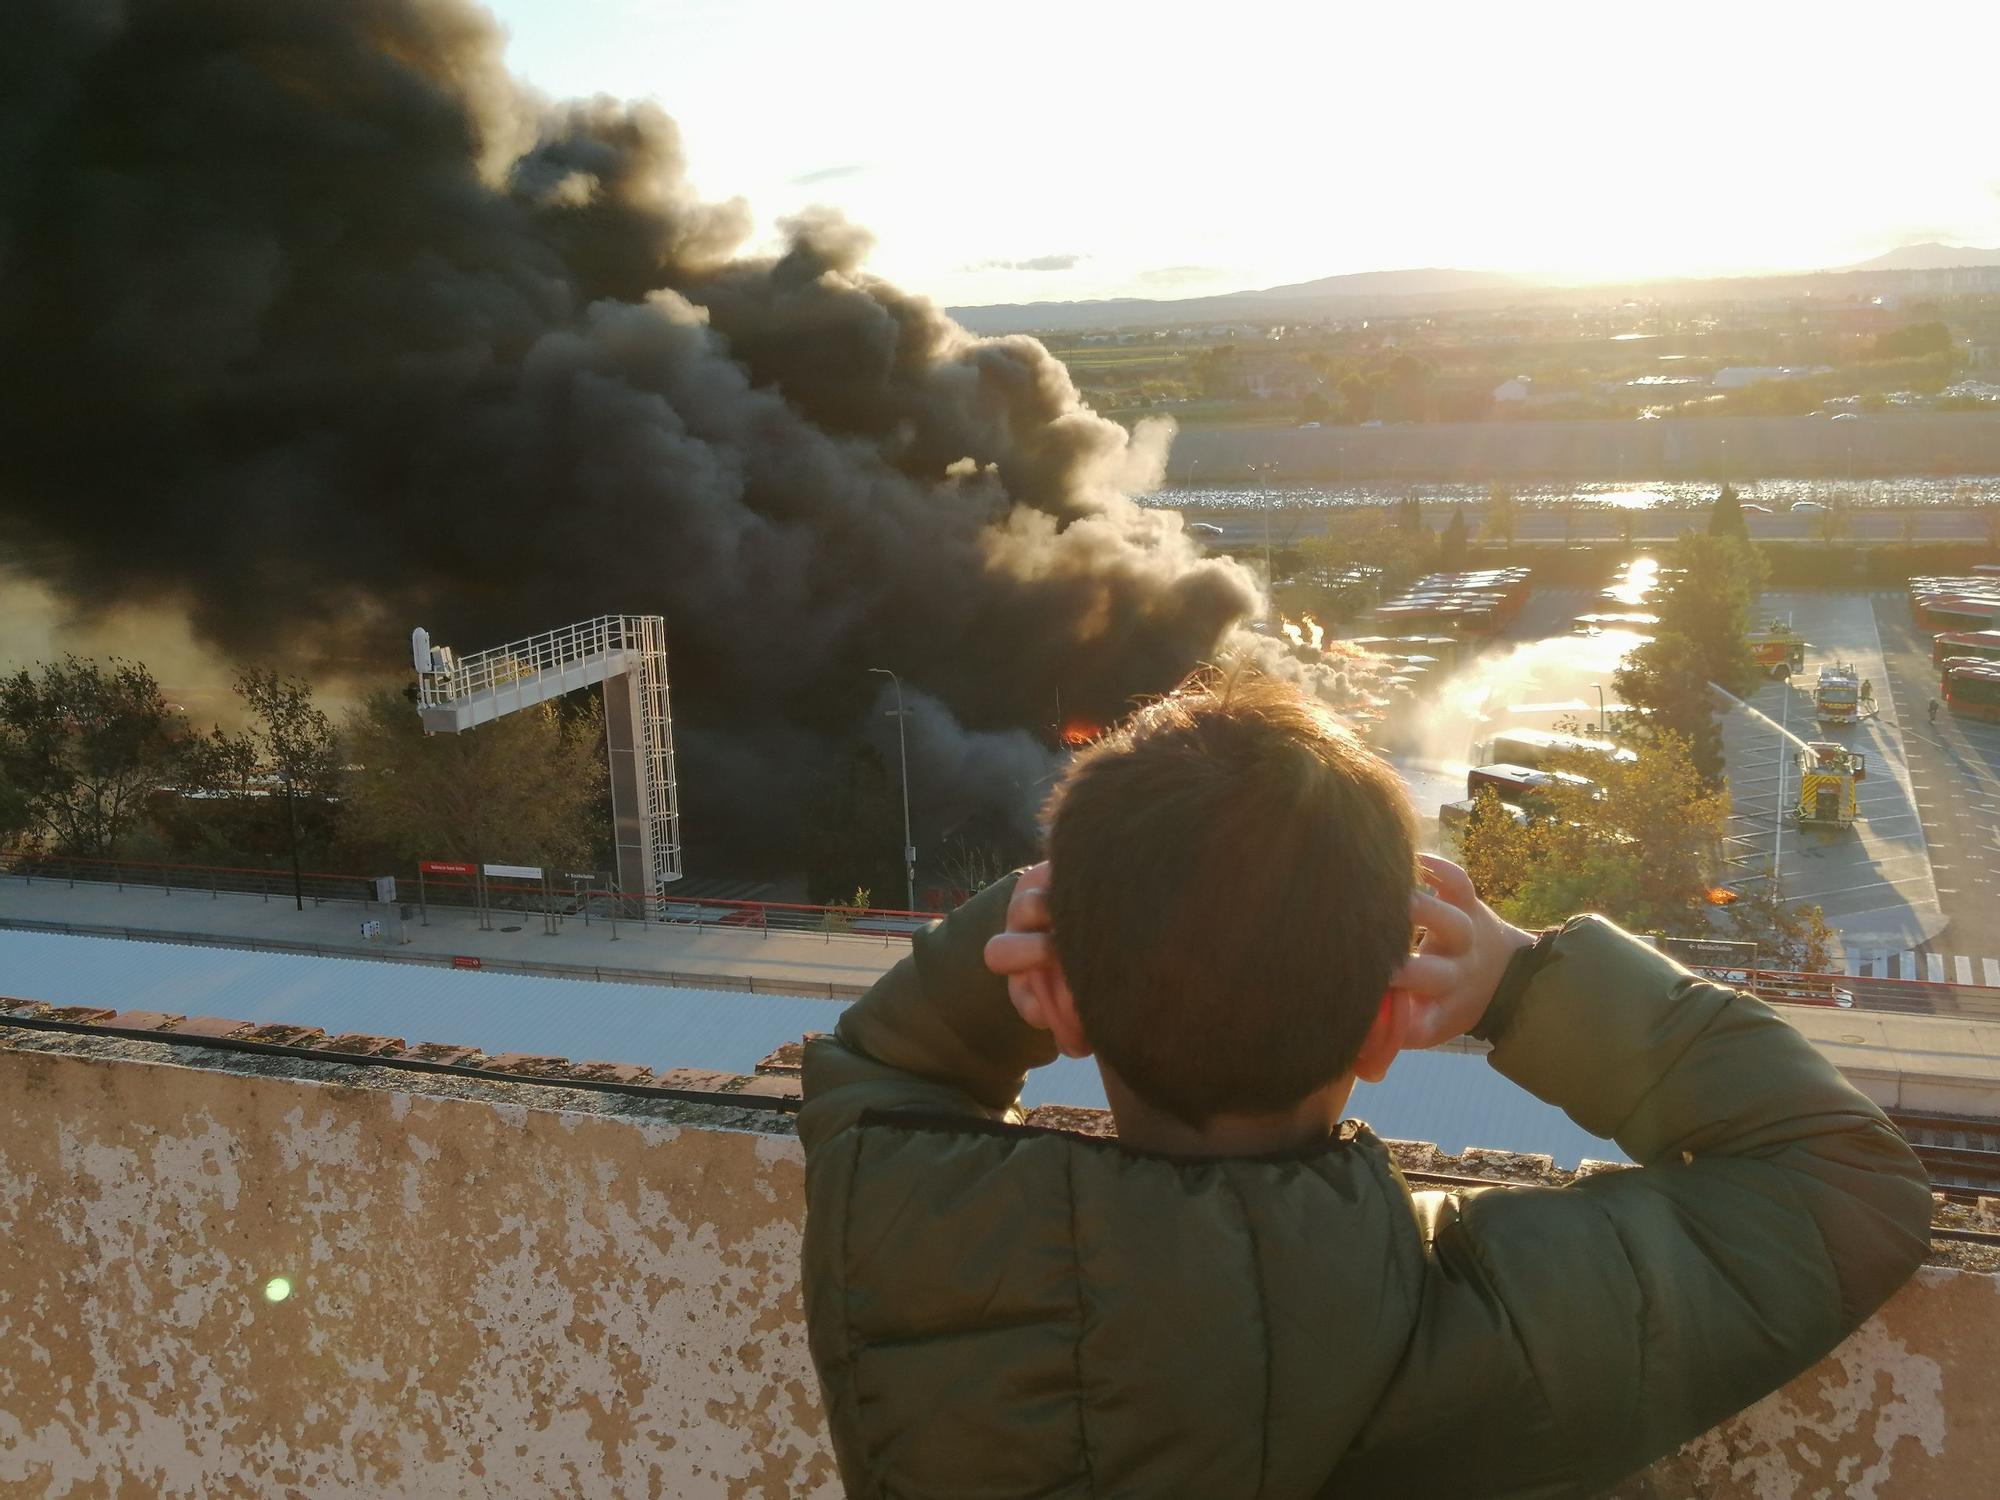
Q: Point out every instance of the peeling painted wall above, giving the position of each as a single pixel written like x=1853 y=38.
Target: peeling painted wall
x=520 y=1291
x=486 y=1298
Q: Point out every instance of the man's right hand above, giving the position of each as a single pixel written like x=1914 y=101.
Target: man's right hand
x=1442 y=991
x=1026 y=946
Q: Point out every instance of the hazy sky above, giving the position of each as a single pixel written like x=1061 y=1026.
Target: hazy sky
x=1031 y=149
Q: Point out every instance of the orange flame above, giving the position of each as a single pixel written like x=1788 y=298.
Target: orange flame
x=1312 y=635
x=1079 y=732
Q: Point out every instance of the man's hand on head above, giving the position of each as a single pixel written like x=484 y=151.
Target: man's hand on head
x=1442 y=991
x=1025 y=955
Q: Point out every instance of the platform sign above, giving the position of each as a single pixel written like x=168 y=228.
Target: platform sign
x=385 y=889
x=515 y=872
x=1710 y=953
x=445 y=867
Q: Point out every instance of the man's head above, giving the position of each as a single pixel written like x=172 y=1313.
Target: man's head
x=1232 y=875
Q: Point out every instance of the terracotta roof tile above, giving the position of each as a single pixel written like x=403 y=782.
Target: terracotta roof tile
x=611 y=1072
x=279 y=1034
x=528 y=1063
x=363 y=1044
x=146 y=1020
x=94 y=1014
x=211 y=1026
x=447 y=1054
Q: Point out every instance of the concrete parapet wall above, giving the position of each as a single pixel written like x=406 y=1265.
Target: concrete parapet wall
x=522 y=1289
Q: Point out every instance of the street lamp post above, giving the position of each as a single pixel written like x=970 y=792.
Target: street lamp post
x=292 y=817
x=903 y=754
x=1601 y=729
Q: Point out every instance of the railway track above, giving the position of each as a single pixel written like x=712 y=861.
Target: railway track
x=1962 y=1156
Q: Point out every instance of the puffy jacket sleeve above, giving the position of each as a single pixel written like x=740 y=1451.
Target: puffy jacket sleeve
x=937 y=1033
x=1568 y=1336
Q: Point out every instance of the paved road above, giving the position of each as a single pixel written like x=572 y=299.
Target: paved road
x=1874 y=880
x=1955 y=773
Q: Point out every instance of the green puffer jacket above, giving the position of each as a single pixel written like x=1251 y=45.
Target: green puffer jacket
x=998 y=1311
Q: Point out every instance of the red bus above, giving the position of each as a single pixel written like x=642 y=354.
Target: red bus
x=1983 y=644
x=1972 y=691
x=1955 y=612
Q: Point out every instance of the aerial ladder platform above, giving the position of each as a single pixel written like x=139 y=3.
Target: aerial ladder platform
x=625 y=655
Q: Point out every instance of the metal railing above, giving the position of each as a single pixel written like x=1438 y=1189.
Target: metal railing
x=551 y=651
x=318 y=886
x=589 y=906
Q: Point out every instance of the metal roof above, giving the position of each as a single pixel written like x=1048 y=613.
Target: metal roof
x=1454 y=1100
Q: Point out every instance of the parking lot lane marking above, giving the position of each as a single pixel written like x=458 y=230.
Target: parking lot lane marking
x=1934 y=965
x=1961 y=967
x=1989 y=969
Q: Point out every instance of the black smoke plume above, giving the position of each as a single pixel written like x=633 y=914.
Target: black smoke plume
x=316 y=323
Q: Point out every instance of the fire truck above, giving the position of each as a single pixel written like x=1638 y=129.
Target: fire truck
x=1842 y=695
x=1828 y=776
x=1778 y=649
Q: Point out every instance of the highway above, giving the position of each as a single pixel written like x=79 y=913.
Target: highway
x=1243 y=528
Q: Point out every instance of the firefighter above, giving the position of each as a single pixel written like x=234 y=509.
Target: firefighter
x=1934 y=710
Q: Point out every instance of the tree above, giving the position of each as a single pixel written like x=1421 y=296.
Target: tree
x=1914 y=341
x=1453 y=545
x=1410 y=512
x=1726 y=518
x=852 y=835
x=1705 y=617
x=1367 y=536
x=528 y=787
x=1665 y=687
x=1357 y=397
x=1500 y=513
x=1711 y=601
x=1639 y=841
x=83 y=749
x=1788 y=935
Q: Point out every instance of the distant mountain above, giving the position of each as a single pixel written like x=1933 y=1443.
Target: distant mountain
x=1430 y=282
x=1931 y=257
x=1356 y=292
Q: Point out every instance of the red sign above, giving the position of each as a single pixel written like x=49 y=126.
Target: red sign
x=462 y=962
x=443 y=867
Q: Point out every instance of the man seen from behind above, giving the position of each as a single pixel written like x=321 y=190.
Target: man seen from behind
x=1240 y=1295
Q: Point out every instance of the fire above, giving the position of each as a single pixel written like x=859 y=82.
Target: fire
x=1721 y=895
x=1309 y=634
x=1079 y=732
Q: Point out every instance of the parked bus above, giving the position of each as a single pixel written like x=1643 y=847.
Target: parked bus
x=1981 y=644
x=1956 y=612
x=1522 y=786
x=1534 y=747
x=1972 y=689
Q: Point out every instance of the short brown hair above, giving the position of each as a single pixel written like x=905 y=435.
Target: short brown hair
x=1230 y=893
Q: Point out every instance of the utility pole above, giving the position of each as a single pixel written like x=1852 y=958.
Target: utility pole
x=292 y=816
x=903 y=754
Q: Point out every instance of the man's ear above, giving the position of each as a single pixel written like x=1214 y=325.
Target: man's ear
x=1383 y=1042
x=1042 y=996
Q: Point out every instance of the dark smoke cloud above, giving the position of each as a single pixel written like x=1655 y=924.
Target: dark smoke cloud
x=317 y=323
